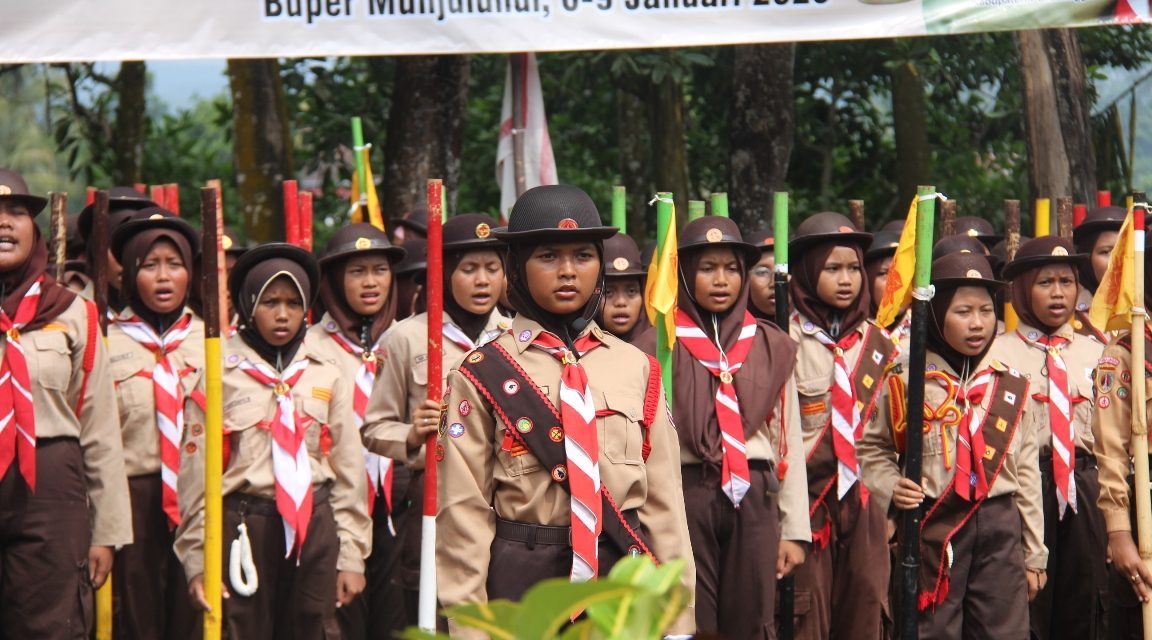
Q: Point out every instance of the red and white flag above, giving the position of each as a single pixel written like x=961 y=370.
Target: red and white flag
x=539 y=164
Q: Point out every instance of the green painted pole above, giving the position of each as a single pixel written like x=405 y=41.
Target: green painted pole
x=695 y=209
x=620 y=208
x=361 y=170
x=665 y=218
x=786 y=586
x=720 y=204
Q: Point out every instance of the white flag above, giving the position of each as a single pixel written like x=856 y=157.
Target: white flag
x=539 y=164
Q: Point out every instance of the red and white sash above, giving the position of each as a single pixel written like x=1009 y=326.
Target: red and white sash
x=1060 y=420
x=17 y=416
x=969 y=479
x=847 y=424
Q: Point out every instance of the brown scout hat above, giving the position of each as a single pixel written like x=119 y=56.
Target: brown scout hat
x=964 y=270
x=622 y=257
x=469 y=231
x=1041 y=251
x=765 y=240
x=883 y=245
x=121 y=201
x=415 y=257
x=153 y=218
x=958 y=243
x=824 y=226
x=1099 y=219
x=13 y=188
x=415 y=221
x=709 y=231
x=555 y=212
x=896 y=225
x=359 y=238
x=258 y=254
x=977 y=227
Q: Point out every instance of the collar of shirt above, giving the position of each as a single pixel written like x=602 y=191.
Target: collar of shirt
x=524 y=331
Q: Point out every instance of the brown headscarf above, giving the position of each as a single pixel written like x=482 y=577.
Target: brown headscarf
x=15 y=284
x=365 y=331
x=255 y=281
x=764 y=372
x=135 y=250
x=1021 y=293
x=802 y=288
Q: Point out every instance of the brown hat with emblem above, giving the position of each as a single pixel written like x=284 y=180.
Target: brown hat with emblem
x=827 y=226
x=1099 y=219
x=717 y=231
x=153 y=218
x=359 y=238
x=978 y=228
x=415 y=221
x=557 y=212
x=1041 y=251
x=883 y=245
x=958 y=243
x=13 y=188
x=122 y=202
x=469 y=231
x=964 y=270
x=764 y=240
x=622 y=257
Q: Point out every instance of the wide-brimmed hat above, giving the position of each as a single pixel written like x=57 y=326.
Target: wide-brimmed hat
x=158 y=219
x=121 y=200
x=717 y=231
x=13 y=188
x=415 y=220
x=824 y=227
x=415 y=257
x=883 y=245
x=622 y=257
x=1099 y=219
x=260 y=253
x=964 y=270
x=360 y=238
x=958 y=243
x=1041 y=251
x=558 y=212
x=764 y=240
x=469 y=231
x=977 y=227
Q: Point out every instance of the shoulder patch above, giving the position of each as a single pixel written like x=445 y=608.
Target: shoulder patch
x=322 y=393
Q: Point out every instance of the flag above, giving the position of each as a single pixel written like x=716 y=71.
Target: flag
x=898 y=290
x=372 y=201
x=660 y=290
x=1112 y=305
x=539 y=164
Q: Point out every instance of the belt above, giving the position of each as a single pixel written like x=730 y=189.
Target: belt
x=248 y=504
x=1084 y=461
x=533 y=534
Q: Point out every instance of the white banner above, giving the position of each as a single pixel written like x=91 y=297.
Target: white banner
x=75 y=30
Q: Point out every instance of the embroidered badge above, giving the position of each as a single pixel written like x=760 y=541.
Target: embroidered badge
x=555 y=434
x=1059 y=251
x=1032 y=335
x=5 y=190
x=989 y=452
x=714 y=235
x=877 y=357
x=868 y=381
x=363 y=243
x=1077 y=325
x=476 y=357
x=233 y=359
x=1083 y=306
x=483 y=230
x=1001 y=424
x=1103 y=402
x=568 y=223
x=808 y=325
x=559 y=473
x=846 y=229
x=1009 y=397
x=464 y=408
x=197 y=429
x=620 y=264
x=511 y=387
x=456 y=430
x=1122 y=393
x=1126 y=377
x=812 y=408
x=1104 y=381
x=931 y=366
x=321 y=393
x=524 y=425
x=525 y=336
x=439 y=453
x=973 y=273
x=1109 y=360
x=190 y=448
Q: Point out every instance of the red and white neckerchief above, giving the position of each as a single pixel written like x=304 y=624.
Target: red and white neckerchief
x=17 y=417
x=168 y=396
x=290 y=462
x=735 y=477
x=380 y=468
x=456 y=336
x=1060 y=419
x=969 y=480
x=582 y=448
x=847 y=425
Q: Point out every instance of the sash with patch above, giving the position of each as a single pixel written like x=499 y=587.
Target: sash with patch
x=950 y=512
x=1084 y=327
x=822 y=465
x=534 y=423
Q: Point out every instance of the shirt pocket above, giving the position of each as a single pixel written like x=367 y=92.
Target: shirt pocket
x=515 y=457
x=815 y=404
x=134 y=389
x=50 y=365
x=620 y=432
x=249 y=440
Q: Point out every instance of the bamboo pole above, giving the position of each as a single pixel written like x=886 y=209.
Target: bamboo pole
x=787 y=585
x=57 y=250
x=1139 y=210
x=99 y=241
x=914 y=433
x=720 y=204
x=695 y=209
x=947 y=218
x=620 y=208
x=856 y=213
x=665 y=221
x=1011 y=244
x=1064 y=217
x=215 y=321
x=435 y=292
x=358 y=149
x=291 y=212
x=1042 y=218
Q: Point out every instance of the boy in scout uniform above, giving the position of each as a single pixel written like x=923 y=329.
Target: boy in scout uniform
x=63 y=493
x=556 y=453
x=981 y=540
x=842 y=587
x=358 y=295
x=293 y=484
x=622 y=313
x=1095 y=236
x=400 y=416
x=1059 y=362
x=156 y=356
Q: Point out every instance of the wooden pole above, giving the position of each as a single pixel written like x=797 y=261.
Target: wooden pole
x=99 y=242
x=720 y=204
x=620 y=208
x=435 y=292
x=1064 y=217
x=57 y=249
x=291 y=212
x=947 y=218
x=1139 y=210
x=856 y=213
x=1011 y=245
x=215 y=320
x=787 y=585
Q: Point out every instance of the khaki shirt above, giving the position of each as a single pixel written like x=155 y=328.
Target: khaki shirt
x=1020 y=351
x=324 y=347
x=131 y=364
x=1020 y=475
x=1112 y=428
x=55 y=355
x=402 y=384
x=322 y=397
x=479 y=480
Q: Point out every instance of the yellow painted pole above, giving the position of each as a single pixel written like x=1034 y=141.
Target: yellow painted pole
x=99 y=246
x=1012 y=243
x=1042 y=216
x=215 y=304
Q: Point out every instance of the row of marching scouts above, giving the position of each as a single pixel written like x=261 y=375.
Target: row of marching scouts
x=778 y=455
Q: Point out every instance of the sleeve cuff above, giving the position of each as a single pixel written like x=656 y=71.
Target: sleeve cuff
x=1117 y=520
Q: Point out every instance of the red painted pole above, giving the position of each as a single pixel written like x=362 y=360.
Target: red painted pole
x=305 y=211
x=157 y=194
x=1103 y=198
x=141 y=187
x=89 y=195
x=1078 y=213
x=291 y=213
x=172 y=198
x=435 y=289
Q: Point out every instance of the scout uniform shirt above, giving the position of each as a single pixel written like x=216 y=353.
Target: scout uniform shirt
x=324 y=404
x=1020 y=475
x=1112 y=428
x=131 y=364
x=55 y=354
x=402 y=385
x=1081 y=323
x=481 y=477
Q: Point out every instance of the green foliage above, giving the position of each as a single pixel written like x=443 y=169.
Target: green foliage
x=637 y=600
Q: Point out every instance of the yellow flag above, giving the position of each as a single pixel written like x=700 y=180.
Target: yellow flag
x=898 y=291
x=1112 y=304
x=375 y=217
x=660 y=290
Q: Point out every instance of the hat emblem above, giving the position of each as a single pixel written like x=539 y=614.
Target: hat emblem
x=567 y=223
x=714 y=235
x=363 y=243
x=483 y=230
x=1059 y=251
x=846 y=229
x=156 y=216
x=620 y=264
x=226 y=242
x=5 y=190
x=972 y=233
x=973 y=273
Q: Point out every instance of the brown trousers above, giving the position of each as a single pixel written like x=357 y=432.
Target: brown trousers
x=1124 y=616
x=380 y=612
x=735 y=552
x=842 y=589
x=294 y=601
x=1077 y=567
x=149 y=590
x=44 y=539
x=987 y=589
